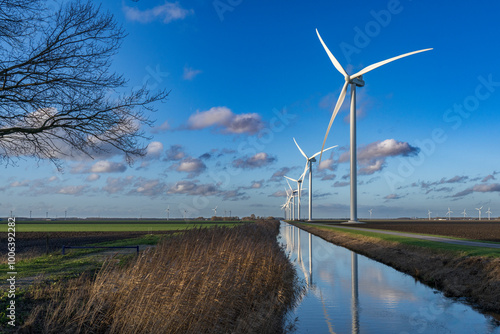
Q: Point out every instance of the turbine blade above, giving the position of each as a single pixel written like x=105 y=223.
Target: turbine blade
x=289 y=186
x=326 y=149
x=300 y=149
x=383 y=62
x=304 y=173
x=335 y=111
x=332 y=58
x=290 y=179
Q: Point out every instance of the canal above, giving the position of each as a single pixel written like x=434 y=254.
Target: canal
x=350 y=293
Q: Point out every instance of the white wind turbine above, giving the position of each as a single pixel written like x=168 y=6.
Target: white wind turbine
x=299 y=184
x=354 y=80
x=168 y=212
x=309 y=161
x=215 y=210
x=429 y=213
x=479 y=212
x=449 y=213
x=371 y=211
x=464 y=213
x=489 y=213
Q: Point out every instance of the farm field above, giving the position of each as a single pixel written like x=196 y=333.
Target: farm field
x=108 y=226
x=474 y=230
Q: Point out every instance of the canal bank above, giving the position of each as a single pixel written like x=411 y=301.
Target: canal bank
x=473 y=278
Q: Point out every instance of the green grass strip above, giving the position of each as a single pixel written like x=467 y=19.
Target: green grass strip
x=434 y=245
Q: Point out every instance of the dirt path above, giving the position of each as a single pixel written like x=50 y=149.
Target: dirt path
x=418 y=236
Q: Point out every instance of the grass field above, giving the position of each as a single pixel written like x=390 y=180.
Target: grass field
x=463 y=250
x=108 y=227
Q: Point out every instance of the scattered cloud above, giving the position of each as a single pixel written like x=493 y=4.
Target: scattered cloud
x=166 y=13
x=392 y=197
x=190 y=165
x=154 y=150
x=165 y=126
x=223 y=118
x=105 y=166
x=116 y=185
x=175 y=153
x=488 y=178
x=279 y=193
x=279 y=174
x=341 y=184
x=372 y=156
x=190 y=73
x=192 y=188
x=93 y=177
x=147 y=187
x=72 y=190
x=481 y=188
x=259 y=160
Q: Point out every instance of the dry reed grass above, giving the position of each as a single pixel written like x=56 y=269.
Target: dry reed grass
x=216 y=280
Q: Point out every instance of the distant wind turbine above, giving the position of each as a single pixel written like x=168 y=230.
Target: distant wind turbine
x=371 y=211
x=449 y=213
x=489 y=213
x=429 y=213
x=355 y=80
x=309 y=161
x=215 y=210
x=464 y=213
x=299 y=184
x=479 y=212
x=168 y=212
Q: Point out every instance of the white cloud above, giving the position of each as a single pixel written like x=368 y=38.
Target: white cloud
x=105 y=166
x=72 y=190
x=154 y=150
x=192 y=166
x=224 y=118
x=168 y=12
x=258 y=160
x=161 y=128
x=190 y=73
x=93 y=177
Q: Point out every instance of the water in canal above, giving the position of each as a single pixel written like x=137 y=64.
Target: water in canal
x=350 y=293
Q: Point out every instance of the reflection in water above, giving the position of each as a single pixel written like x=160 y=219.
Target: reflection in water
x=392 y=302
x=354 y=293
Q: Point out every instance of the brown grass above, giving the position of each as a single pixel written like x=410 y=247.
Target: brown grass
x=215 y=280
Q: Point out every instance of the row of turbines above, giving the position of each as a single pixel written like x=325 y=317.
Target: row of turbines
x=355 y=80
x=463 y=213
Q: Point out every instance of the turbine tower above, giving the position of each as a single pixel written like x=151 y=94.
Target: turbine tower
x=429 y=213
x=479 y=212
x=464 y=213
x=449 y=213
x=168 y=212
x=371 y=211
x=215 y=210
x=299 y=183
x=489 y=213
x=309 y=161
x=355 y=80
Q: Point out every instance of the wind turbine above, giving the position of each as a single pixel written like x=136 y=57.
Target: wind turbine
x=429 y=213
x=292 y=196
x=464 y=213
x=299 y=183
x=489 y=213
x=353 y=80
x=479 y=212
x=215 y=210
x=309 y=161
x=168 y=212
x=449 y=213
x=371 y=211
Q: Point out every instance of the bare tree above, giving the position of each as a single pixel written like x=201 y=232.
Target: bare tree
x=58 y=96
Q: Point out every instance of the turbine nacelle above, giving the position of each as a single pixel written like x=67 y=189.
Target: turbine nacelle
x=358 y=81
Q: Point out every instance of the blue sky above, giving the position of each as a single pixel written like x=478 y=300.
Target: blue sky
x=248 y=76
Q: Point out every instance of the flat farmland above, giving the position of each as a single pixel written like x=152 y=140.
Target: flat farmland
x=474 y=230
x=107 y=226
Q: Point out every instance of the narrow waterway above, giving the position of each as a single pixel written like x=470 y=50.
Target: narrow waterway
x=350 y=293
